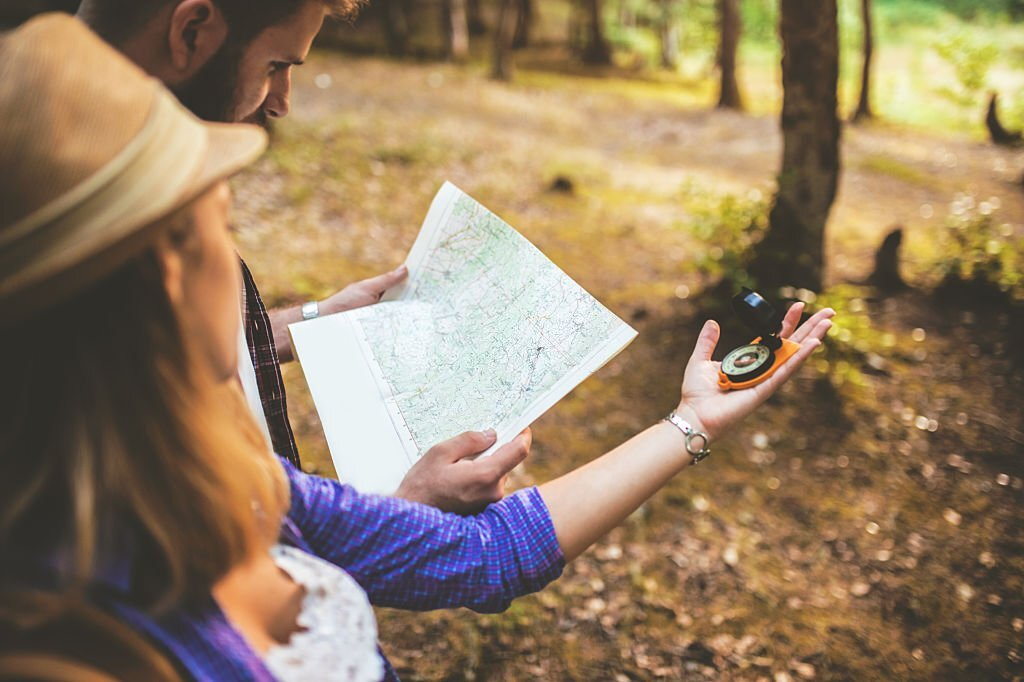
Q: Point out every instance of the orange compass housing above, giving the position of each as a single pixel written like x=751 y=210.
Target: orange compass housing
x=735 y=381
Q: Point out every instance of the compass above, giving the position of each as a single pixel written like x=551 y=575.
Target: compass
x=754 y=362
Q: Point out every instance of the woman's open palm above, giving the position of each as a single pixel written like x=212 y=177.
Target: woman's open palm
x=716 y=410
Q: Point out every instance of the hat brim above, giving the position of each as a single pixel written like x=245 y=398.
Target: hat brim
x=230 y=148
x=227 y=149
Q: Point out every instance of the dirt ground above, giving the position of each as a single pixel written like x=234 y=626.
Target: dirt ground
x=863 y=525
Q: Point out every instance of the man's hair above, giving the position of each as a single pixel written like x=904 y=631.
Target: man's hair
x=118 y=20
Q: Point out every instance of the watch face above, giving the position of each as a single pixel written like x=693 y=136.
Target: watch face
x=747 y=362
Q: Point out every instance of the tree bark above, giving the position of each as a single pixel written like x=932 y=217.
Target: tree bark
x=731 y=26
x=396 y=26
x=597 y=50
x=864 y=110
x=668 y=35
x=474 y=18
x=502 y=67
x=14 y=12
x=456 y=29
x=792 y=251
x=524 y=24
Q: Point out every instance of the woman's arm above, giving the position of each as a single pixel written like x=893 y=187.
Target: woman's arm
x=407 y=555
x=411 y=556
x=590 y=501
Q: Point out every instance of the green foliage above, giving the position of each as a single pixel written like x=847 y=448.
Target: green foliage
x=852 y=344
x=971 y=60
x=761 y=20
x=699 y=28
x=894 y=16
x=973 y=9
x=636 y=28
x=976 y=247
x=728 y=227
x=1011 y=110
x=924 y=11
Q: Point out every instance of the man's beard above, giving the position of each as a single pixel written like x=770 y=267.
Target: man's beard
x=210 y=94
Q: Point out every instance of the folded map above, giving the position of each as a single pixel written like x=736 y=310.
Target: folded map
x=485 y=333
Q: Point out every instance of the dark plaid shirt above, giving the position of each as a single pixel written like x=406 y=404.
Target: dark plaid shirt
x=259 y=336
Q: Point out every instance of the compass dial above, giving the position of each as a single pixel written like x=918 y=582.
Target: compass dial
x=747 y=362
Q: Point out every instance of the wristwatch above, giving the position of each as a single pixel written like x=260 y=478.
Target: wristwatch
x=310 y=310
x=691 y=434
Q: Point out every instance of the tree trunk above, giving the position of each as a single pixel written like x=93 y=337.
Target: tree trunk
x=456 y=29
x=14 y=12
x=731 y=25
x=792 y=252
x=474 y=18
x=668 y=35
x=524 y=25
x=502 y=68
x=396 y=26
x=864 y=105
x=669 y=38
x=597 y=51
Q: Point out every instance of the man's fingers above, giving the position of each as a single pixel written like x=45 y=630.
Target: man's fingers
x=508 y=456
x=706 y=342
x=792 y=319
x=804 y=331
x=381 y=283
x=468 y=444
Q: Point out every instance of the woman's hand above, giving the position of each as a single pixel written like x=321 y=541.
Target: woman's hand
x=710 y=409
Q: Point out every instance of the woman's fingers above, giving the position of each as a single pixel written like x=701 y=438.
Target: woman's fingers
x=803 y=332
x=792 y=319
x=706 y=342
x=790 y=367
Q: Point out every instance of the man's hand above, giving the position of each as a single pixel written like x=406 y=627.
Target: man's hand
x=358 y=295
x=364 y=293
x=447 y=478
x=710 y=409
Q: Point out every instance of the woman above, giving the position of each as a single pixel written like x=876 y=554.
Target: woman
x=135 y=489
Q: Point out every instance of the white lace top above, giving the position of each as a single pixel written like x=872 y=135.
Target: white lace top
x=337 y=636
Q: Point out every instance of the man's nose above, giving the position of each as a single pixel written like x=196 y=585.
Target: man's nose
x=278 y=102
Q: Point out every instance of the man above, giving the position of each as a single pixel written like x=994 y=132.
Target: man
x=231 y=61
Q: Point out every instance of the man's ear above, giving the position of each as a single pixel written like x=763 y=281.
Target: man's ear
x=197 y=30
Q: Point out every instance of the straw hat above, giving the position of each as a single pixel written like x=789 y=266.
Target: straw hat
x=92 y=152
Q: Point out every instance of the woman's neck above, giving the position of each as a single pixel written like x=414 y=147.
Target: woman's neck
x=262 y=602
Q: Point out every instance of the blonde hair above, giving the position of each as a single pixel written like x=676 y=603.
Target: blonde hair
x=108 y=431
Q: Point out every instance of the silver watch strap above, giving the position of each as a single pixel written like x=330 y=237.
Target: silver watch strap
x=691 y=434
x=310 y=310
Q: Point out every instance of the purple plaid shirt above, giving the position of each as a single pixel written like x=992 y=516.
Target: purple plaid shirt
x=259 y=336
x=404 y=555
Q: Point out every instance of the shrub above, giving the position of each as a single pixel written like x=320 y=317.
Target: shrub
x=971 y=61
x=728 y=226
x=978 y=249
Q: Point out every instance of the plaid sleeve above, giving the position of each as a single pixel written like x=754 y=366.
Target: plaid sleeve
x=259 y=336
x=411 y=556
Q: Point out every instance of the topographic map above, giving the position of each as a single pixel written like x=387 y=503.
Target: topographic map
x=487 y=332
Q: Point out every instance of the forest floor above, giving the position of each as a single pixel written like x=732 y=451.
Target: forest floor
x=862 y=525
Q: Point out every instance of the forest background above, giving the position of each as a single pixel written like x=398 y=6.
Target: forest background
x=865 y=524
